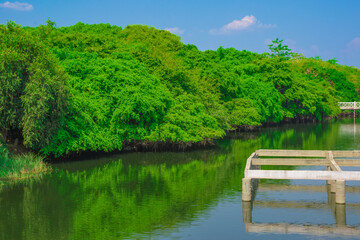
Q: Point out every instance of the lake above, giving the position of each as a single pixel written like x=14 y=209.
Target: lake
x=186 y=195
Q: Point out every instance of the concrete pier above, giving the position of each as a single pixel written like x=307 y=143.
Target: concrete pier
x=340 y=192
x=246 y=189
x=340 y=229
x=333 y=174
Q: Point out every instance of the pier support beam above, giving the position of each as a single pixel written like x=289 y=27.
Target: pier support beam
x=340 y=191
x=246 y=189
x=340 y=214
x=247 y=211
x=332 y=186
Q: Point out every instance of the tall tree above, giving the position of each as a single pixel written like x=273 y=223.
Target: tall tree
x=32 y=87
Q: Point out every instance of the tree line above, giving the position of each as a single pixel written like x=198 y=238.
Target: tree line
x=101 y=87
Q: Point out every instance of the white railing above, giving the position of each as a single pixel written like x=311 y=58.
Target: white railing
x=349 y=105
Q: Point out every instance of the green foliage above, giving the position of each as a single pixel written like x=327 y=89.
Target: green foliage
x=33 y=96
x=332 y=61
x=187 y=121
x=20 y=166
x=315 y=58
x=345 y=90
x=266 y=99
x=114 y=100
x=276 y=71
x=352 y=75
x=311 y=99
x=279 y=50
x=328 y=74
x=242 y=112
x=111 y=86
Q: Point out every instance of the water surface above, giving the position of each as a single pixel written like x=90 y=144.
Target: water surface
x=186 y=195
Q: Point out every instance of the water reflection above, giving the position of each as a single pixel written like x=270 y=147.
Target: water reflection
x=340 y=229
x=121 y=199
x=152 y=195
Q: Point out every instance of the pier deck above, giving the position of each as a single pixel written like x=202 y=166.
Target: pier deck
x=333 y=160
x=333 y=174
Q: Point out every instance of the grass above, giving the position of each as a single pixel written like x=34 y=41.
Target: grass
x=20 y=166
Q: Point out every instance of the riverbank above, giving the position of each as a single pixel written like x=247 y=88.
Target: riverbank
x=167 y=146
x=28 y=164
x=23 y=164
x=14 y=167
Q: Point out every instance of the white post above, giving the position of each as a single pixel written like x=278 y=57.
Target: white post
x=340 y=214
x=340 y=192
x=247 y=212
x=354 y=111
x=246 y=189
x=332 y=186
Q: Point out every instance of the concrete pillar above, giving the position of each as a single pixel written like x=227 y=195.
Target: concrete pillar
x=340 y=214
x=354 y=112
x=332 y=186
x=340 y=192
x=332 y=204
x=331 y=199
x=246 y=189
x=247 y=212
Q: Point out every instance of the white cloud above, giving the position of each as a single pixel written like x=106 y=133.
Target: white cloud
x=353 y=46
x=175 y=30
x=17 y=6
x=350 y=54
x=242 y=24
x=246 y=23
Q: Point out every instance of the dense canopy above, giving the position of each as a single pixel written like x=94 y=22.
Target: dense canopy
x=100 y=87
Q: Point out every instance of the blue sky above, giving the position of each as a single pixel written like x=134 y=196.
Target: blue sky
x=314 y=28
